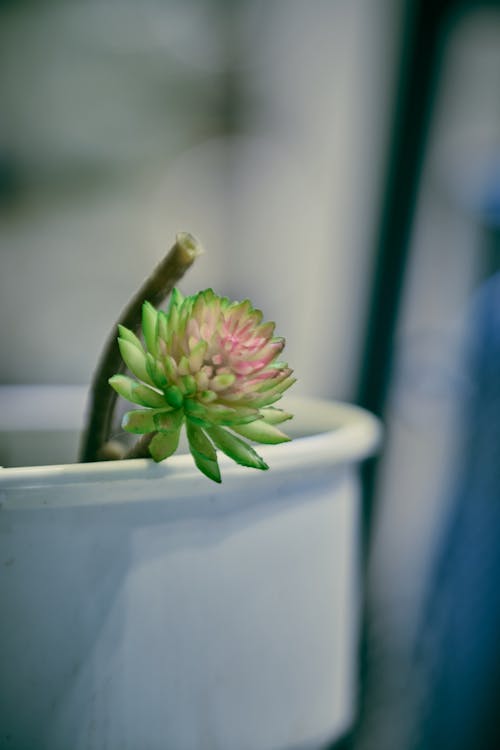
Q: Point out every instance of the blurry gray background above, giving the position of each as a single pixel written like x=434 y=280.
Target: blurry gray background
x=258 y=126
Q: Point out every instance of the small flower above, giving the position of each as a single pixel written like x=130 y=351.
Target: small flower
x=209 y=364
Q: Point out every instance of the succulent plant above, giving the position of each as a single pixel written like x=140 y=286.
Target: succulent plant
x=209 y=364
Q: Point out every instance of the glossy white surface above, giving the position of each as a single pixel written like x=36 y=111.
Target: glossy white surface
x=145 y=607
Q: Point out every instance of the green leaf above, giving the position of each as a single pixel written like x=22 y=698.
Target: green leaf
x=149 y=319
x=285 y=384
x=135 y=360
x=197 y=356
x=169 y=421
x=207 y=466
x=173 y=319
x=188 y=385
x=127 y=335
x=170 y=367
x=219 y=414
x=273 y=394
x=162 y=326
x=183 y=366
x=193 y=408
x=271 y=415
x=258 y=400
x=174 y=309
x=146 y=396
x=208 y=396
x=235 y=448
x=139 y=422
x=184 y=314
x=266 y=399
x=220 y=382
x=156 y=372
x=199 y=441
x=261 y=432
x=203 y=452
x=136 y=392
x=274 y=382
x=164 y=444
x=124 y=386
x=177 y=297
x=174 y=396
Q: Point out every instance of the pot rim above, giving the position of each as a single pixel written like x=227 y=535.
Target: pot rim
x=335 y=433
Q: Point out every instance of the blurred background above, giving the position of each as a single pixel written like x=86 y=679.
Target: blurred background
x=259 y=127
x=340 y=162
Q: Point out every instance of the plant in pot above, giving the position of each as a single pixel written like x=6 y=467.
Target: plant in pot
x=148 y=604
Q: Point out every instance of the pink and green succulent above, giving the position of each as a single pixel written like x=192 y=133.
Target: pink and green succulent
x=210 y=365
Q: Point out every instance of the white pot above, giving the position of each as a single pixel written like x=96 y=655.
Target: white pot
x=145 y=608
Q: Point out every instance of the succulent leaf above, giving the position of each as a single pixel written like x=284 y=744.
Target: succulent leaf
x=128 y=335
x=169 y=421
x=137 y=393
x=173 y=396
x=124 y=386
x=271 y=415
x=203 y=452
x=261 y=432
x=146 y=396
x=162 y=326
x=149 y=322
x=236 y=449
x=156 y=371
x=164 y=444
x=135 y=360
x=139 y=421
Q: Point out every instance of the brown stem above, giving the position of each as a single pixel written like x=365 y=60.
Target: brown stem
x=141 y=448
x=102 y=397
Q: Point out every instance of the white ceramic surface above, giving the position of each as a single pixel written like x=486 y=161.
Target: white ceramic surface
x=143 y=607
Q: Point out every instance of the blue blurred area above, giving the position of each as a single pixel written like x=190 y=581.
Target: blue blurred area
x=458 y=644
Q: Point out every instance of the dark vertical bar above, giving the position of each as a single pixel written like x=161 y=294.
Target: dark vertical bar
x=491 y=264
x=419 y=71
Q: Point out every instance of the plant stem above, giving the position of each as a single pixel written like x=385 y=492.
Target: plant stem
x=103 y=398
x=140 y=449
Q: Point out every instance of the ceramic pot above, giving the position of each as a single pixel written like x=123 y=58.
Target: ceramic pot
x=145 y=607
